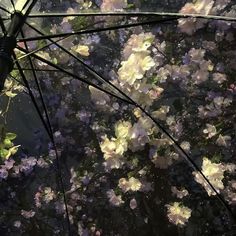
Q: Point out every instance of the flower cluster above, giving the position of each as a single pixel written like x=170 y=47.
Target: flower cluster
x=189 y=26
x=128 y=136
x=114 y=199
x=178 y=214
x=113 y=150
x=44 y=195
x=214 y=173
x=179 y=193
x=137 y=62
x=131 y=184
x=137 y=58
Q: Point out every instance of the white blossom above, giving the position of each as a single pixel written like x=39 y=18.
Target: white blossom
x=178 y=214
x=214 y=173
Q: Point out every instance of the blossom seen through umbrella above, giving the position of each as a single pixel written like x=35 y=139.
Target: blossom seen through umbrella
x=108 y=100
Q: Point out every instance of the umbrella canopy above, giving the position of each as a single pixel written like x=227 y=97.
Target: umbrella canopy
x=117 y=117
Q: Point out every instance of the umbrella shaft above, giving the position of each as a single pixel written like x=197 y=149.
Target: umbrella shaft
x=7 y=45
x=17 y=21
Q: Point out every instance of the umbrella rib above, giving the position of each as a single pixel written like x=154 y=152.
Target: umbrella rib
x=187 y=157
x=75 y=76
x=29 y=8
x=26 y=3
x=179 y=15
x=132 y=102
x=2 y=26
x=50 y=134
x=18 y=81
x=91 y=71
x=100 y=77
x=90 y=31
x=47 y=45
x=39 y=88
x=38 y=49
x=12 y=3
x=30 y=69
x=49 y=127
x=185 y=154
x=4 y=9
x=32 y=96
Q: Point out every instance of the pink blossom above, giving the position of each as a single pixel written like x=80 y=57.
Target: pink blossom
x=133 y=204
x=3 y=173
x=9 y=164
x=113 y=5
x=27 y=214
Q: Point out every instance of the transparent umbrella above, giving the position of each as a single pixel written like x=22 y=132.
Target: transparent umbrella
x=130 y=125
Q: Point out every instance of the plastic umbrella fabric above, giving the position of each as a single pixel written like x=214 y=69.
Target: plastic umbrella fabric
x=117 y=117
